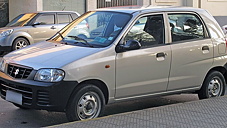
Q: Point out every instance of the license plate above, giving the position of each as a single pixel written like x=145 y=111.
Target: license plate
x=14 y=97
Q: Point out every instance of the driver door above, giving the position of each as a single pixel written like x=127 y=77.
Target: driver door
x=144 y=71
x=45 y=28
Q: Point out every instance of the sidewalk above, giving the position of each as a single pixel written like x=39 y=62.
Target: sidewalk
x=208 y=113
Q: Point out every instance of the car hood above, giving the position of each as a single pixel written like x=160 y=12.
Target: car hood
x=48 y=55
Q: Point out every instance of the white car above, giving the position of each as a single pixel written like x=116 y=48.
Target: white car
x=131 y=53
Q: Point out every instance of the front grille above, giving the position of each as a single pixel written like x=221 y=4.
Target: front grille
x=43 y=98
x=19 y=72
x=26 y=92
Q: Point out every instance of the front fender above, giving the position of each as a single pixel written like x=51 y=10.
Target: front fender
x=15 y=35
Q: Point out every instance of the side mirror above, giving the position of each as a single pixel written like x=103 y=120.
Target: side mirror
x=130 y=45
x=36 y=23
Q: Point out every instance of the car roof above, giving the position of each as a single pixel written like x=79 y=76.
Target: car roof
x=133 y=9
x=55 y=12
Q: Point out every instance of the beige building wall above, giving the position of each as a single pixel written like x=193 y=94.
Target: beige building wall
x=17 y=7
x=168 y=2
x=190 y=3
x=215 y=7
x=91 y=5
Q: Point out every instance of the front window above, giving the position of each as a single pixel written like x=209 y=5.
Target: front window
x=148 y=30
x=93 y=29
x=45 y=19
x=21 y=20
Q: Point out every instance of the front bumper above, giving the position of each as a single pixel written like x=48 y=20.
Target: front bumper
x=5 y=48
x=4 y=44
x=38 y=95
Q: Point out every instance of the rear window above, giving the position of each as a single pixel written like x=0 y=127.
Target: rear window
x=64 y=18
x=74 y=16
x=186 y=27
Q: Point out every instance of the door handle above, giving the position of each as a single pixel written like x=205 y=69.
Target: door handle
x=161 y=56
x=205 y=49
x=53 y=27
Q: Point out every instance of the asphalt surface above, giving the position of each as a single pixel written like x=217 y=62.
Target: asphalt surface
x=13 y=117
x=207 y=113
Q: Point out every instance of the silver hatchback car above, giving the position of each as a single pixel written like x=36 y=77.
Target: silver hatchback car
x=29 y=28
x=131 y=53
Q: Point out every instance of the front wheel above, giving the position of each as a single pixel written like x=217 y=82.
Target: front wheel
x=86 y=103
x=20 y=43
x=213 y=86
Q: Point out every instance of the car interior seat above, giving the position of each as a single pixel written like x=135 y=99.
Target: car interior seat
x=154 y=26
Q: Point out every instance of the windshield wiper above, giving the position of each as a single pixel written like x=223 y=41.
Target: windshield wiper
x=63 y=42
x=78 y=38
x=60 y=35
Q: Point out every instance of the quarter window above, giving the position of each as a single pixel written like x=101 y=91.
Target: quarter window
x=74 y=16
x=45 y=19
x=148 y=30
x=185 y=27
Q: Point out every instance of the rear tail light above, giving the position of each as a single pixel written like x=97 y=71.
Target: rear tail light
x=226 y=42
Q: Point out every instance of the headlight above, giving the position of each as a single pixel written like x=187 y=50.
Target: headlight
x=49 y=75
x=6 y=33
x=2 y=65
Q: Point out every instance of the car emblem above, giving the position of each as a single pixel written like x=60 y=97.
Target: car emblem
x=16 y=72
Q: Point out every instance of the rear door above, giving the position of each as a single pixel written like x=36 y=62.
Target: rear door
x=192 y=51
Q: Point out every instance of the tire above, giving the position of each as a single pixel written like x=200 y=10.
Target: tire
x=213 y=86
x=20 y=43
x=21 y=107
x=2 y=53
x=87 y=102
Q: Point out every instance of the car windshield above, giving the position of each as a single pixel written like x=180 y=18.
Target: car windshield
x=93 y=29
x=21 y=20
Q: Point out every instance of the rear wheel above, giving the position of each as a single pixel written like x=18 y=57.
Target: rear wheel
x=20 y=43
x=213 y=86
x=86 y=103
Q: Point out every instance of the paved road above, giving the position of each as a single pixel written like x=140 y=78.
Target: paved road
x=207 y=113
x=11 y=116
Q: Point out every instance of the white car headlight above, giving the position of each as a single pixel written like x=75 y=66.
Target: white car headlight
x=6 y=33
x=2 y=65
x=49 y=75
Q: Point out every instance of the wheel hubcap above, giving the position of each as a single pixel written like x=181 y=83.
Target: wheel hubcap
x=21 y=44
x=89 y=106
x=215 y=87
